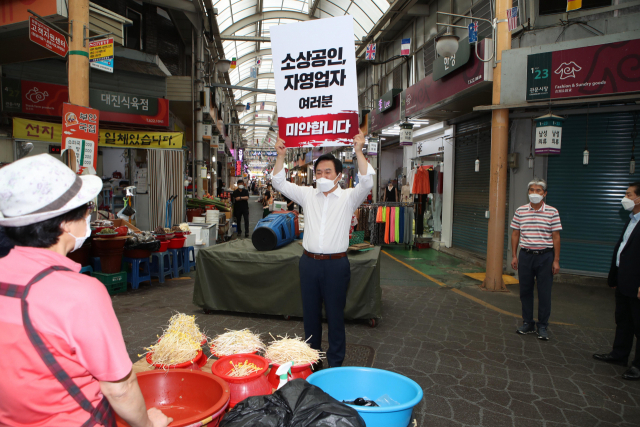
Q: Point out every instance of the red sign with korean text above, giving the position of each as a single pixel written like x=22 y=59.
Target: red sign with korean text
x=47 y=37
x=80 y=133
x=47 y=99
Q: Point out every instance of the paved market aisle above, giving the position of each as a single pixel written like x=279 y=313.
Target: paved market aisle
x=473 y=368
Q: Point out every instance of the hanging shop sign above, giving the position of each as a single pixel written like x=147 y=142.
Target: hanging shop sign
x=238 y=168
x=586 y=71
x=429 y=94
x=47 y=99
x=101 y=54
x=80 y=134
x=548 y=134
x=316 y=82
x=34 y=130
x=446 y=65
x=406 y=134
x=45 y=36
x=386 y=101
x=373 y=147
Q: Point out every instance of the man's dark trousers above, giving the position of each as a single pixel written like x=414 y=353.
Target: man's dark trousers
x=239 y=214
x=325 y=280
x=532 y=266
x=627 y=325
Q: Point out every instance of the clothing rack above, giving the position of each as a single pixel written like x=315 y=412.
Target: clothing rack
x=375 y=206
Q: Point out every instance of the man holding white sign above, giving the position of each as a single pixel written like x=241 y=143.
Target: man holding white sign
x=324 y=267
x=314 y=67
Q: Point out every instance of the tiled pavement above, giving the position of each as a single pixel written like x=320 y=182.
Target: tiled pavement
x=473 y=368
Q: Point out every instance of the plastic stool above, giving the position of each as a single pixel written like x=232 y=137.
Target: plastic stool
x=186 y=257
x=87 y=269
x=134 y=277
x=177 y=264
x=161 y=265
x=95 y=263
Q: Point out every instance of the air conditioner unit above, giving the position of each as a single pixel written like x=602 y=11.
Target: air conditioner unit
x=205 y=102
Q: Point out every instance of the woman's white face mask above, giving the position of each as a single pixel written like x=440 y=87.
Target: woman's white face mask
x=80 y=240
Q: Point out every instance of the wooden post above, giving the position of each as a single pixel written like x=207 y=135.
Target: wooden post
x=79 y=52
x=499 y=152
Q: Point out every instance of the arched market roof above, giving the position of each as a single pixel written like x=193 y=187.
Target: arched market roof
x=253 y=18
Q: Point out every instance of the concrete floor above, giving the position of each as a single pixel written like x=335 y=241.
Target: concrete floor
x=457 y=341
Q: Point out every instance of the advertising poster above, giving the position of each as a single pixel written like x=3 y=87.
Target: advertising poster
x=80 y=134
x=101 y=54
x=316 y=82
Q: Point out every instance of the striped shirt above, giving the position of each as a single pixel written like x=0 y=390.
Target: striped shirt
x=536 y=226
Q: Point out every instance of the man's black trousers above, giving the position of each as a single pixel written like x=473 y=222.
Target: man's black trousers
x=627 y=325
x=239 y=214
x=539 y=267
x=325 y=281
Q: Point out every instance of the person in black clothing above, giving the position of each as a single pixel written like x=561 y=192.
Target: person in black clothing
x=624 y=278
x=265 y=201
x=289 y=203
x=390 y=193
x=240 y=199
x=220 y=187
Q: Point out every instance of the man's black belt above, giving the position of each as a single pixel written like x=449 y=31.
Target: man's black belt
x=537 y=251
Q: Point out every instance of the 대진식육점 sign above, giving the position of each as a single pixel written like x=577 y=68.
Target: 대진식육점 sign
x=316 y=82
x=80 y=133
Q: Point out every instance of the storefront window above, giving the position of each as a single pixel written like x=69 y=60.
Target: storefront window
x=134 y=32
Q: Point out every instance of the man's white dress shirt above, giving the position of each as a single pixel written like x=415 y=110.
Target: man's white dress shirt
x=326 y=218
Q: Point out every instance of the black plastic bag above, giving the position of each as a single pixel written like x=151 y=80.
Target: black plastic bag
x=146 y=246
x=296 y=404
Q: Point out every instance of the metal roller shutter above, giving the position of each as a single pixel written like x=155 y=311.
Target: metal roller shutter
x=588 y=197
x=471 y=189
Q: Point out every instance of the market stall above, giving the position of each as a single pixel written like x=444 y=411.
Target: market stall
x=236 y=277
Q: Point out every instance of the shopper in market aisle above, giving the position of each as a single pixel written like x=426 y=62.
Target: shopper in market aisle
x=536 y=227
x=624 y=278
x=240 y=198
x=324 y=266
x=61 y=342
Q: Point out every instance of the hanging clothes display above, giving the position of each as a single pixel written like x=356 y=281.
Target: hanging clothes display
x=421 y=182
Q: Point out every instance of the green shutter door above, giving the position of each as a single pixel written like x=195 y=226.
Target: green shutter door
x=588 y=197
x=471 y=189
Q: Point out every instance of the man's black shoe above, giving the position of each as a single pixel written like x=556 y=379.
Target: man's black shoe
x=317 y=366
x=246 y=236
x=632 y=374
x=610 y=359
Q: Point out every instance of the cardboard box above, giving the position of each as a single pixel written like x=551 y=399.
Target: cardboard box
x=228 y=215
x=121 y=222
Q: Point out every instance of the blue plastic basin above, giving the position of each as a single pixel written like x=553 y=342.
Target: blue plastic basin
x=349 y=383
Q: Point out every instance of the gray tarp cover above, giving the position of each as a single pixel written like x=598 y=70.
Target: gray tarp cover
x=234 y=276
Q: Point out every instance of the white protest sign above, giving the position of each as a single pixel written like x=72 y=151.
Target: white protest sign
x=314 y=65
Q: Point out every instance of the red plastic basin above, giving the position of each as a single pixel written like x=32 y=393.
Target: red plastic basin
x=186 y=396
x=297 y=371
x=177 y=243
x=255 y=384
x=164 y=244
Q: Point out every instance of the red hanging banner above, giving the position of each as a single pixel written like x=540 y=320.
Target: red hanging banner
x=80 y=134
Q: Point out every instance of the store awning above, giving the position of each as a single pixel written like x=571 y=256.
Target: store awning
x=15 y=45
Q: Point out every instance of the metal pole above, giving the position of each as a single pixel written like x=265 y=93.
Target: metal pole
x=499 y=152
x=193 y=115
x=199 y=124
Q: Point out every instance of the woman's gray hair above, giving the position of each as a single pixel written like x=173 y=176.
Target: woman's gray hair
x=541 y=182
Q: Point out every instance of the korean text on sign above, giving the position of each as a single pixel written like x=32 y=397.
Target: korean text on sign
x=125 y=101
x=316 y=82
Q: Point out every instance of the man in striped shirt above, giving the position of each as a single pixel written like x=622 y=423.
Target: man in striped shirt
x=536 y=227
